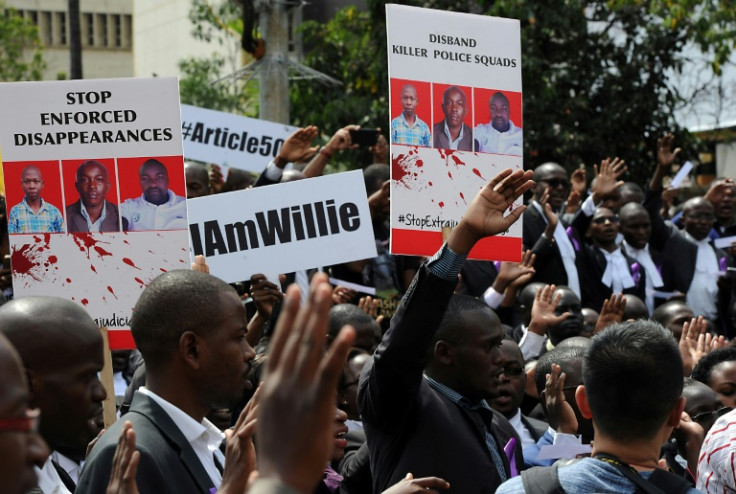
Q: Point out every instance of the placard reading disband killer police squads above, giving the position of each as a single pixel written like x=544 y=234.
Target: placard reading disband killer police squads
x=94 y=179
x=456 y=122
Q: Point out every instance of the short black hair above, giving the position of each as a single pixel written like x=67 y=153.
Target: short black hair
x=633 y=378
x=453 y=321
x=173 y=303
x=560 y=356
x=707 y=363
x=342 y=314
x=89 y=163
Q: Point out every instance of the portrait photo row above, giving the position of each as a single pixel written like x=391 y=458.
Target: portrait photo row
x=456 y=117
x=96 y=195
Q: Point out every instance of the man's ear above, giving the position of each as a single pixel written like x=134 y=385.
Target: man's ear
x=189 y=349
x=581 y=397
x=674 y=418
x=444 y=352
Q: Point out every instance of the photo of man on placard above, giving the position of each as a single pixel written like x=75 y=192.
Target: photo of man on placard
x=500 y=135
x=452 y=132
x=158 y=208
x=33 y=214
x=92 y=212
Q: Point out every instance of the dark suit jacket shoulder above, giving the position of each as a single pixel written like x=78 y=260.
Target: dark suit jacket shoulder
x=168 y=464
x=440 y=140
x=536 y=427
x=75 y=222
x=411 y=427
x=548 y=265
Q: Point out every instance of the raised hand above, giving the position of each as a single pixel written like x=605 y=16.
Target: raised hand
x=561 y=415
x=300 y=390
x=665 y=155
x=240 y=453
x=265 y=295
x=611 y=312
x=124 y=464
x=486 y=215
x=297 y=147
x=410 y=485
x=543 y=310
x=578 y=180
x=606 y=178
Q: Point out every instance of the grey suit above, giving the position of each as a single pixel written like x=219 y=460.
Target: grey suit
x=76 y=223
x=440 y=140
x=168 y=464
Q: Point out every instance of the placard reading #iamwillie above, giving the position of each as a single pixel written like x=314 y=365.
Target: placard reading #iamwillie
x=456 y=121
x=94 y=178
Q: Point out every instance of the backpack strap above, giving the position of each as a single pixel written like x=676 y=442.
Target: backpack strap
x=542 y=480
x=669 y=482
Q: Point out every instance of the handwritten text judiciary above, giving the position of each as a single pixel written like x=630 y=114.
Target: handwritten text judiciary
x=90 y=117
x=453 y=55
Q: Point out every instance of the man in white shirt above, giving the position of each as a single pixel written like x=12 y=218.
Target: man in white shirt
x=158 y=208
x=190 y=328
x=61 y=348
x=500 y=135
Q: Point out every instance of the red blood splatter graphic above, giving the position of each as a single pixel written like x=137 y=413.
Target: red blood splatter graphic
x=37 y=239
x=449 y=175
x=475 y=170
x=458 y=161
x=85 y=301
x=109 y=289
x=102 y=252
x=442 y=204
x=420 y=163
x=162 y=270
x=139 y=281
x=397 y=171
x=430 y=184
x=92 y=268
x=53 y=259
x=130 y=263
x=463 y=198
x=68 y=280
x=25 y=261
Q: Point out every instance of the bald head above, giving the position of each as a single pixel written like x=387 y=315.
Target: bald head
x=551 y=177
x=47 y=332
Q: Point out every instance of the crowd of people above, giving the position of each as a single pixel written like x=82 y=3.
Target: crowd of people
x=601 y=362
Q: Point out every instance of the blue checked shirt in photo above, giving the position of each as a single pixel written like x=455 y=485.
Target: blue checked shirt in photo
x=22 y=219
x=414 y=135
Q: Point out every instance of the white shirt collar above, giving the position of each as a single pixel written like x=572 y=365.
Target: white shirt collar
x=48 y=479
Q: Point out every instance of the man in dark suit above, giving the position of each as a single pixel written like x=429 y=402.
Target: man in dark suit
x=452 y=132
x=92 y=212
x=691 y=263
x=61 y=349
x=422 y=397
x=190 y=328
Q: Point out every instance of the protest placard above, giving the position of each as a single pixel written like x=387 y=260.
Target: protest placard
x=231 y=140
x=95 y=191
x=283 y=228
x=455 y=100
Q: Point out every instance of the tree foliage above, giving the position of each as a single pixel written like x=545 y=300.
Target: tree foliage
x=21 y=52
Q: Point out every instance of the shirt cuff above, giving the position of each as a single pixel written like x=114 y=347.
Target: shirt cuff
x=531 y=344
x=588 y=207
x=567 y=439
x=446 y=264
x=273 y=172
x=493 y=298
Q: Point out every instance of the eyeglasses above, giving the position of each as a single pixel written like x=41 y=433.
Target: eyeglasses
x=513 y=371
x=602 y=219
x=29 y=423
x=712 y=415
x=557 y=182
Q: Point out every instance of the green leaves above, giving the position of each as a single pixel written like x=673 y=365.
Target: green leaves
x=21 y=52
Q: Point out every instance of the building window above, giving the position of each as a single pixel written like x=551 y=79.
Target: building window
x=102 y=23
x=62 y=27
x=46 y=28
x=89 y=24
x=34 y=17
x=118 y=30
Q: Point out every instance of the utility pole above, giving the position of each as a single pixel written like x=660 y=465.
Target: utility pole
x=274 y=77
x=75 y=41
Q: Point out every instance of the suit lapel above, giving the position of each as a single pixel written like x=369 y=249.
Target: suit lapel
x=145 y=406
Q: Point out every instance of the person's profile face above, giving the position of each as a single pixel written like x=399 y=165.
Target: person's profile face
x=455 y=107
x=723 y=382
x=20 y=447
x=500 y=113
x=636 y=229
x=32 y=183
x=409 y=100
x=678 y=315
x=92 y=185
x=512 y=381
x=155 y=183
x=726 y=207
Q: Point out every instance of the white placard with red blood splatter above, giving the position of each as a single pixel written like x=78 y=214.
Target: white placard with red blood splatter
x=478 y=60
x=119 y=123
x=283 y=228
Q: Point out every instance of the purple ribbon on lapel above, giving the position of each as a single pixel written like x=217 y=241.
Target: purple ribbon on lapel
x=497 y=265
x=510 y=450
x=572 y=238
x=636 y=272
x=722 y=264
